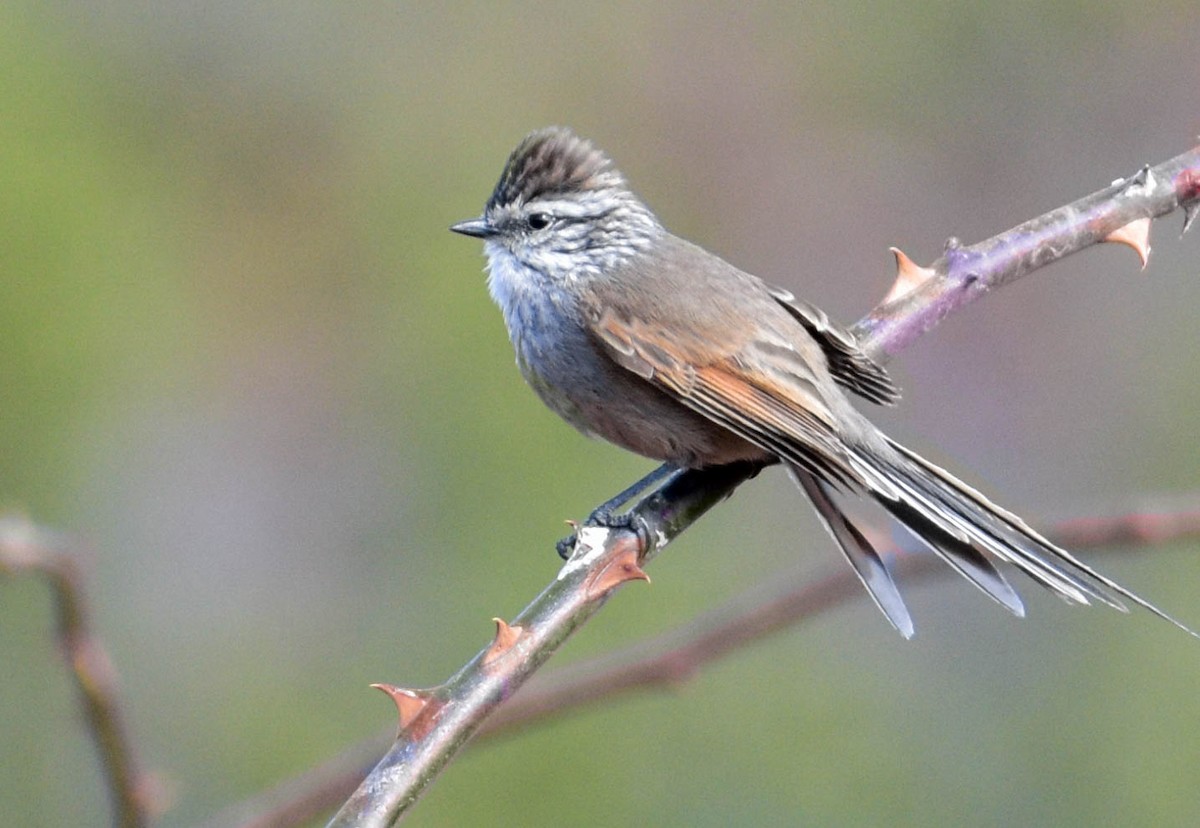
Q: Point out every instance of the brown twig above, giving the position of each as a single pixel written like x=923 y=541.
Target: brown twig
x=25 y=548
x=453 y=712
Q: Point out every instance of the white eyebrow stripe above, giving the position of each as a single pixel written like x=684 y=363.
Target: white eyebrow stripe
x=580 y=205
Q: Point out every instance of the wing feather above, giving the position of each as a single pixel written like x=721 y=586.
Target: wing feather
x=765 y=393
x=848 y=364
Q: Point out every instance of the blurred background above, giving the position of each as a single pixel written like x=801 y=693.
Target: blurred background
x=243 y=361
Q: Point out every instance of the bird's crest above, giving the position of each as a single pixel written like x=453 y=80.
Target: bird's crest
x=553 y=161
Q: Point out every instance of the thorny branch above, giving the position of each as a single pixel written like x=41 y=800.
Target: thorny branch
x=664 y=661
x=436 y=723
x=963 y=274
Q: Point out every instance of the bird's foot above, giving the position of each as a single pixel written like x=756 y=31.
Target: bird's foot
x=602 y=518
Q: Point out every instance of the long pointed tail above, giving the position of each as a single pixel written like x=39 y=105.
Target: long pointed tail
x=960 y=525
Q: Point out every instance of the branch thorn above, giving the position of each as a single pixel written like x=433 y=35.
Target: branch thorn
x=623 y=567
x=408 y=702
x=1136 y=234
x=506 y=637
x=909 y=276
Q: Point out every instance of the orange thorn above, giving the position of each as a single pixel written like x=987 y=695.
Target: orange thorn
x=909 y=276
x=408 y=702
x=1136 y=234
x=623 y=567
x=506 y=637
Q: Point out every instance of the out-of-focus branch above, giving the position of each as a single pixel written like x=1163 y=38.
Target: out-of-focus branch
x=437 y=722
x=26 y=548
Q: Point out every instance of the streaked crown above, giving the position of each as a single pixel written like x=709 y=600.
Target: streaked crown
x=554 y=162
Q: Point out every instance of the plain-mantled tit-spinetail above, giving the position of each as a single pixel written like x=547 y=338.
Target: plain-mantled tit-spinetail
x=635 y=335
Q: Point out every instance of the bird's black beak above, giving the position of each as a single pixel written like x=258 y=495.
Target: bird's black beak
x=478 y=227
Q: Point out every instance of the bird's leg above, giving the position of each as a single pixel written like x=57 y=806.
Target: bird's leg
x=606 y=514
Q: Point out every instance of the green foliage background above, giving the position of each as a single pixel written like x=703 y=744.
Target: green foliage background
x=243 y=360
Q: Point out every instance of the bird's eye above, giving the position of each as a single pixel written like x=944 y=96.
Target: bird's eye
x=539 y=221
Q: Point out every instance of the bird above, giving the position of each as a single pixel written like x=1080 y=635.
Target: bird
x=637 y=336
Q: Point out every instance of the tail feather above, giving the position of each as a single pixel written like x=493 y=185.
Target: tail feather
x=858 y=551
x=965 y=558
x=960 y=524
x=922 y=508
x=1011 y=539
